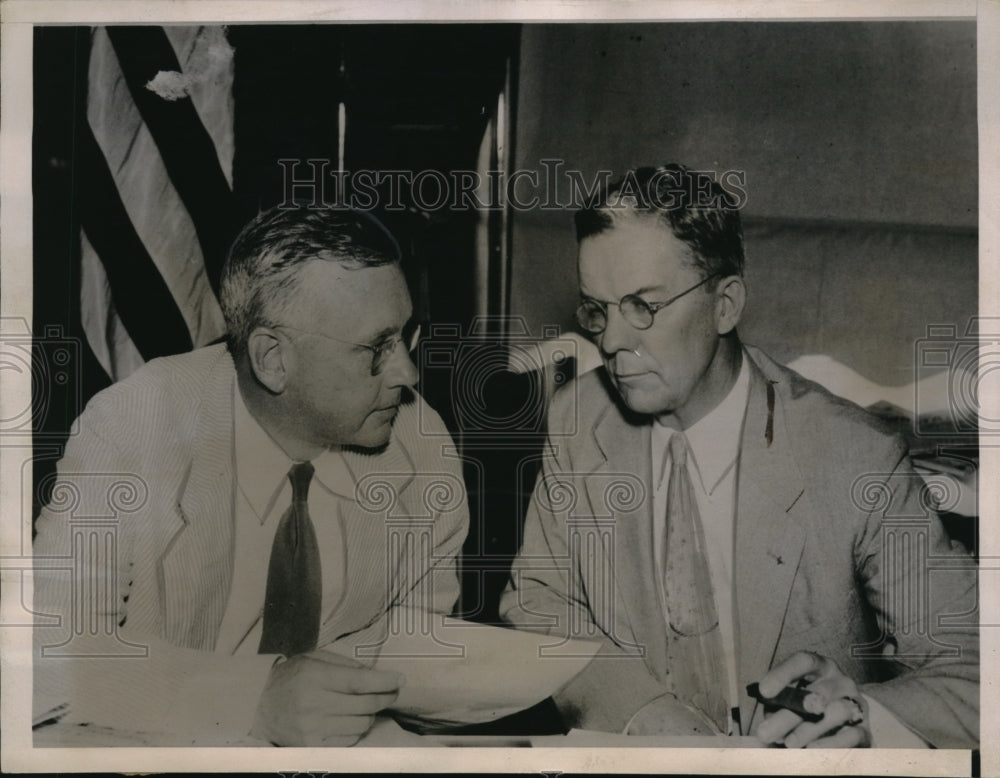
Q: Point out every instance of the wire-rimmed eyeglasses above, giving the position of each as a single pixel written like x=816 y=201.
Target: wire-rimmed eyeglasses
x=592 y=315
x=382 y=350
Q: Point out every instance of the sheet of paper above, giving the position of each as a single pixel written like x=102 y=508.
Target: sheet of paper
x=460 y=672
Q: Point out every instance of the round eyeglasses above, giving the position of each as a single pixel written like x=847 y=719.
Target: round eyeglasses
x=592 y=315
x=382 y=349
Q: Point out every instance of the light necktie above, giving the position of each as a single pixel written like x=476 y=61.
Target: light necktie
x=294 y=578
x=695 y=655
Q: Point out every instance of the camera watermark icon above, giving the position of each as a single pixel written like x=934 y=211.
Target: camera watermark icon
x=481 y=369
x=81 y=590
x=955 y=370
x=50 y=364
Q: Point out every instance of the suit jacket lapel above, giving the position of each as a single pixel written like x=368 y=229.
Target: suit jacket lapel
x=624 y=456
x=768 y=538
x=197 y=565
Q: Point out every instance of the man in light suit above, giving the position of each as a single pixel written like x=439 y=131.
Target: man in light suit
x=274 y=513
x=818 y=560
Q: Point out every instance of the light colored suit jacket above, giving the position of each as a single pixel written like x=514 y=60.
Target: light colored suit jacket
x=836 y=551
x=136 y=552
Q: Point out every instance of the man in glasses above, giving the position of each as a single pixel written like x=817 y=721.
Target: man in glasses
x=252 y=575
x=720 y=523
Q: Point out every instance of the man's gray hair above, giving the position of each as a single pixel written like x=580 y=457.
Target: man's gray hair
x=690 y=204
x=259 y=279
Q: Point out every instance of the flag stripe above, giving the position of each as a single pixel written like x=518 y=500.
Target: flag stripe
x=208 y=60
x=157 y=212
x=185 y=145
x=141 y=297
x=105 y=331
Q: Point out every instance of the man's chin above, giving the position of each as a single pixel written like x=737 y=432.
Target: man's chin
x=645 y=403
x=375 y=439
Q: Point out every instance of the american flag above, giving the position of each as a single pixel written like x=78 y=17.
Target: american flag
x=156 y=162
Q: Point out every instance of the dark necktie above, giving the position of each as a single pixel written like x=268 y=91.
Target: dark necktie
x=294 y=579
x=696 y=659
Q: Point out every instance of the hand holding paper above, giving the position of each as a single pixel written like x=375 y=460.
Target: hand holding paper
x=321 y=699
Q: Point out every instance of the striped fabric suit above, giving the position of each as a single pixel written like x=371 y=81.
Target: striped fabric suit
x=136 y=625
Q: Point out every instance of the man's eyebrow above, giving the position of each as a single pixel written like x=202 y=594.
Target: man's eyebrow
x=641 y=290
x=383 y=334
x=647 y=289
x=387 y=332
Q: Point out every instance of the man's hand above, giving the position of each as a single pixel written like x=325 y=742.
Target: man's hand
x=322 y=699
x=831 y=693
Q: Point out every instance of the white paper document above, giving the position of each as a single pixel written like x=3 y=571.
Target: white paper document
x=460 y=672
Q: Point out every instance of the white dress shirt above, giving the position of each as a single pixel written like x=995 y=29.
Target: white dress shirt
x=263 y=494
x=713 y=451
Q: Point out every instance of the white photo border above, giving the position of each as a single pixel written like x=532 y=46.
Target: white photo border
x=18 y=19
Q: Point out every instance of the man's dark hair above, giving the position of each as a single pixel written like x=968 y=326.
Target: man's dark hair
x=692 y=205
x=259 y=277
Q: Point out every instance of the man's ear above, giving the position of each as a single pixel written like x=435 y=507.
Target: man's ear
x=268 y=359
x=730 y=297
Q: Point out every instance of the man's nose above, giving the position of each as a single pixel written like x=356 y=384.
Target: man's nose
x=400 y=370
x=618 y=335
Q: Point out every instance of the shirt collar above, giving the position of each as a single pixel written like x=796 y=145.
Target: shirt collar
x=262 y=466
x=333 y=473
x=714 y=440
